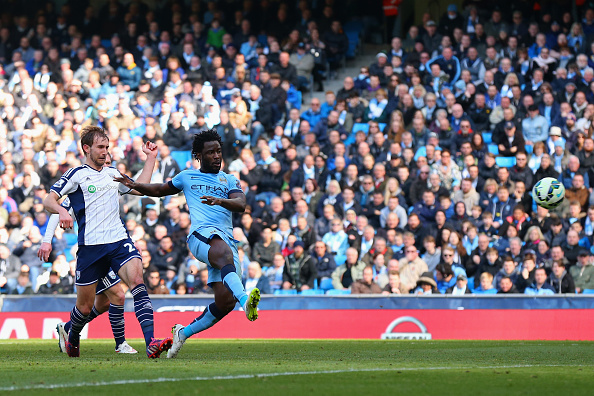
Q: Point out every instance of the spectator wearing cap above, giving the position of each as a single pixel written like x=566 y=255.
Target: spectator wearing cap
x=431 y=39
x=426 y=285
x=512 y=142
x=461 y=287
x=583 y=272
x=300 y=270
x=555 y=135
x=377 y=68
x=450 y=21
x=53 y=286
x=535 y=127
x=304 y=63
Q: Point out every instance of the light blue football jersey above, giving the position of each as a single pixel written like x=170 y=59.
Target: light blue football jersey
x=196 y=184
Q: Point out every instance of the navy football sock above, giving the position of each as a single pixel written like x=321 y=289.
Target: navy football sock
x=209 y=318
x=116 y=318
x=233 y=283
x=94 y=313
x=78 y=321
x=144 y=312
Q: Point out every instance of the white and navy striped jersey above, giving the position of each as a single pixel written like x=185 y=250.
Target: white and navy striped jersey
x=94 y=198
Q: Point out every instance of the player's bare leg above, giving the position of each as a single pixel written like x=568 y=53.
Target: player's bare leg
x=131 y=274
x=85 y=299
x=227 y=294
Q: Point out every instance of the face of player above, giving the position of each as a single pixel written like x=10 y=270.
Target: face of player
x=211 y=157
x=98 y=153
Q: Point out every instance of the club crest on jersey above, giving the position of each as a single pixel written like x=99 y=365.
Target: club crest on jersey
x=222 y=179
x=77 y=275
x=92 y=189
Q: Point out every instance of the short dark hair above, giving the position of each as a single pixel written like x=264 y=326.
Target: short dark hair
x=89 y=134
x=209 y=135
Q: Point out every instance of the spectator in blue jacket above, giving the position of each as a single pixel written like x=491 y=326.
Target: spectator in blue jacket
x=540 y=287
x=314 y=114
x=129 y=73
x=428 y=208
x=535 y=127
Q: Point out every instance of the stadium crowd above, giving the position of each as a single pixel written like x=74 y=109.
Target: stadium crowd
x=414 y=177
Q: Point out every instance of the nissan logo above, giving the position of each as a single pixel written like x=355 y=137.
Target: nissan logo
x=422 y=335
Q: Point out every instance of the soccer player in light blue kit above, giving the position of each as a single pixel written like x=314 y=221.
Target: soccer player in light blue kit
x=212 y=196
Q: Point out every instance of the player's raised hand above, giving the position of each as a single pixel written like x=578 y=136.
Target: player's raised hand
x=44 y=251
x=150 y=149
x=211 y=201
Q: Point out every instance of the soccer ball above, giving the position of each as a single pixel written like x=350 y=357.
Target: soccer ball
x=548 y=193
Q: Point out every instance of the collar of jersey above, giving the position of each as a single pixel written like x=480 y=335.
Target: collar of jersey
x=90 y=167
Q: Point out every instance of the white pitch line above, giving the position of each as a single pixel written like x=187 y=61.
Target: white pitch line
x=266 y=375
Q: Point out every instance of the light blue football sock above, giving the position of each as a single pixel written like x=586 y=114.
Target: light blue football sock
x=209 y=318
x=233 y=283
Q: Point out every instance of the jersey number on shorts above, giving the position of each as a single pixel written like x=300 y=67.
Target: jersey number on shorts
x=129 y=246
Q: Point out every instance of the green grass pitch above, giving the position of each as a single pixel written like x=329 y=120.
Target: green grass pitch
x=302 y=367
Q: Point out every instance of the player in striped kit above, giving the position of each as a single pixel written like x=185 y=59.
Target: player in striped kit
x=212 y=196
x=103 y=242
x=109 y=295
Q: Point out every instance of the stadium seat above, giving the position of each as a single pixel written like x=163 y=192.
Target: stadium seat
x=280 y=292
x=588 y=291
x=182 y=158
x=528 y=149
x=505 y=162
x=493 y=149
x=354 y=40
x=381 y=126
x=336 y=292
x=71 y=239
x=326 y=284
x=360 y=126
x=312 y=292
x=488 y=137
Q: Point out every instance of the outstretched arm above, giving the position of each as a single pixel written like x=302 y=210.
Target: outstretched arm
x=152 y=189
x=235 y=203
x=151 y=150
